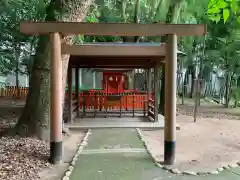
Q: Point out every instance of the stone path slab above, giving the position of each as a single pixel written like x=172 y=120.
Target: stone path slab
x=116 y=122
x=235 y=171
x=135 y=165
x=114 y=139
x=111 y=151
x=122 y=166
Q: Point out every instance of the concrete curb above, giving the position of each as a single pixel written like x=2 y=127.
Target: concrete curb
x=177 y=171
x=76 y=156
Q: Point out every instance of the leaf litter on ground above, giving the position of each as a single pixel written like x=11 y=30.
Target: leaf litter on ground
x=22 y=158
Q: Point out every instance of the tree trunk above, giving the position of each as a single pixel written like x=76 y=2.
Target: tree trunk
x=238 y=82
x=34 y=120
x=17 y=81
x=171 y=17
x=154 y=13
x=182 y=79
x=162 y=93
x=131 y=80
x=137 y=18
x=227 y=89
x=193 y=77
x=208 y=86
x=228 y=86
x=178 y=78
x=185 y=82
x=18 y=51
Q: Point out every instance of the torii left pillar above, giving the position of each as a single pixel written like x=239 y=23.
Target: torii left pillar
x=56 y=146
x=171 y=100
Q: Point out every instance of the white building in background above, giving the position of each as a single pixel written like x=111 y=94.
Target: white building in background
x=10 y=80
x=23 y=80
x=216 y=82
x=88 y=79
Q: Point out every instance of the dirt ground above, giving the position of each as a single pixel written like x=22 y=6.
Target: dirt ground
x=212 y=142
x=10 y=110
x=26 y=158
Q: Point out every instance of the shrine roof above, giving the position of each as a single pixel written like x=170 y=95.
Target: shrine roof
x=148 y=44
x=113 y=69
x=116 y=54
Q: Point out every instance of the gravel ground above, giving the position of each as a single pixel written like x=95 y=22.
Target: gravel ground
x=22 y=158
x=208 y=110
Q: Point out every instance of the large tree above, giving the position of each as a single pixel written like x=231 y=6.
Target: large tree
x=34 y=120
x=171 y=17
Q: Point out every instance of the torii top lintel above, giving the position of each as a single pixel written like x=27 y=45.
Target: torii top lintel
x=112 y=29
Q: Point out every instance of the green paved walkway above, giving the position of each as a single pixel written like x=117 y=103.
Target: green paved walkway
x=126 y=165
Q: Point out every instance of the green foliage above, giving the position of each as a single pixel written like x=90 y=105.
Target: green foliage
x=218 y=9
x=15 y=47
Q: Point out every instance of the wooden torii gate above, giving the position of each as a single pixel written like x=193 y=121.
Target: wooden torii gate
x=54 y=29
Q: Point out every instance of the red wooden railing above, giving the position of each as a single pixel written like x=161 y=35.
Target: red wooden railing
x=100 y=100
x=13 y=91
x=130 y=99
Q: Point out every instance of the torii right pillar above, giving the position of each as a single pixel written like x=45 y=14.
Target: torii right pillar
x=170 y=100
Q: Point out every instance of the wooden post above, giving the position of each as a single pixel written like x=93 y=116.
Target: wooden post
x=56 y=147
x=69 y=93
x=182 y=79
x=95 y=104
x=171 y=100
x=80 y=78
x=77 y=88
x=156 y=93
x=121 y=95
x=144 y=95
x=149 y=86
x=133 y=102
x=94 y=80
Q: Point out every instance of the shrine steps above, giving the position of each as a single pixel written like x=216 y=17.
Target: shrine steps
x=116 y=122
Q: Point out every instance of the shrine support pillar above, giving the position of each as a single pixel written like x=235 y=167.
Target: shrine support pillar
x=149 y=86
x=77 y=88
x=171 y=100
x=94 y=80
x=156 y=92
x=56 y=111
x=80 y=77
x=69 y=93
